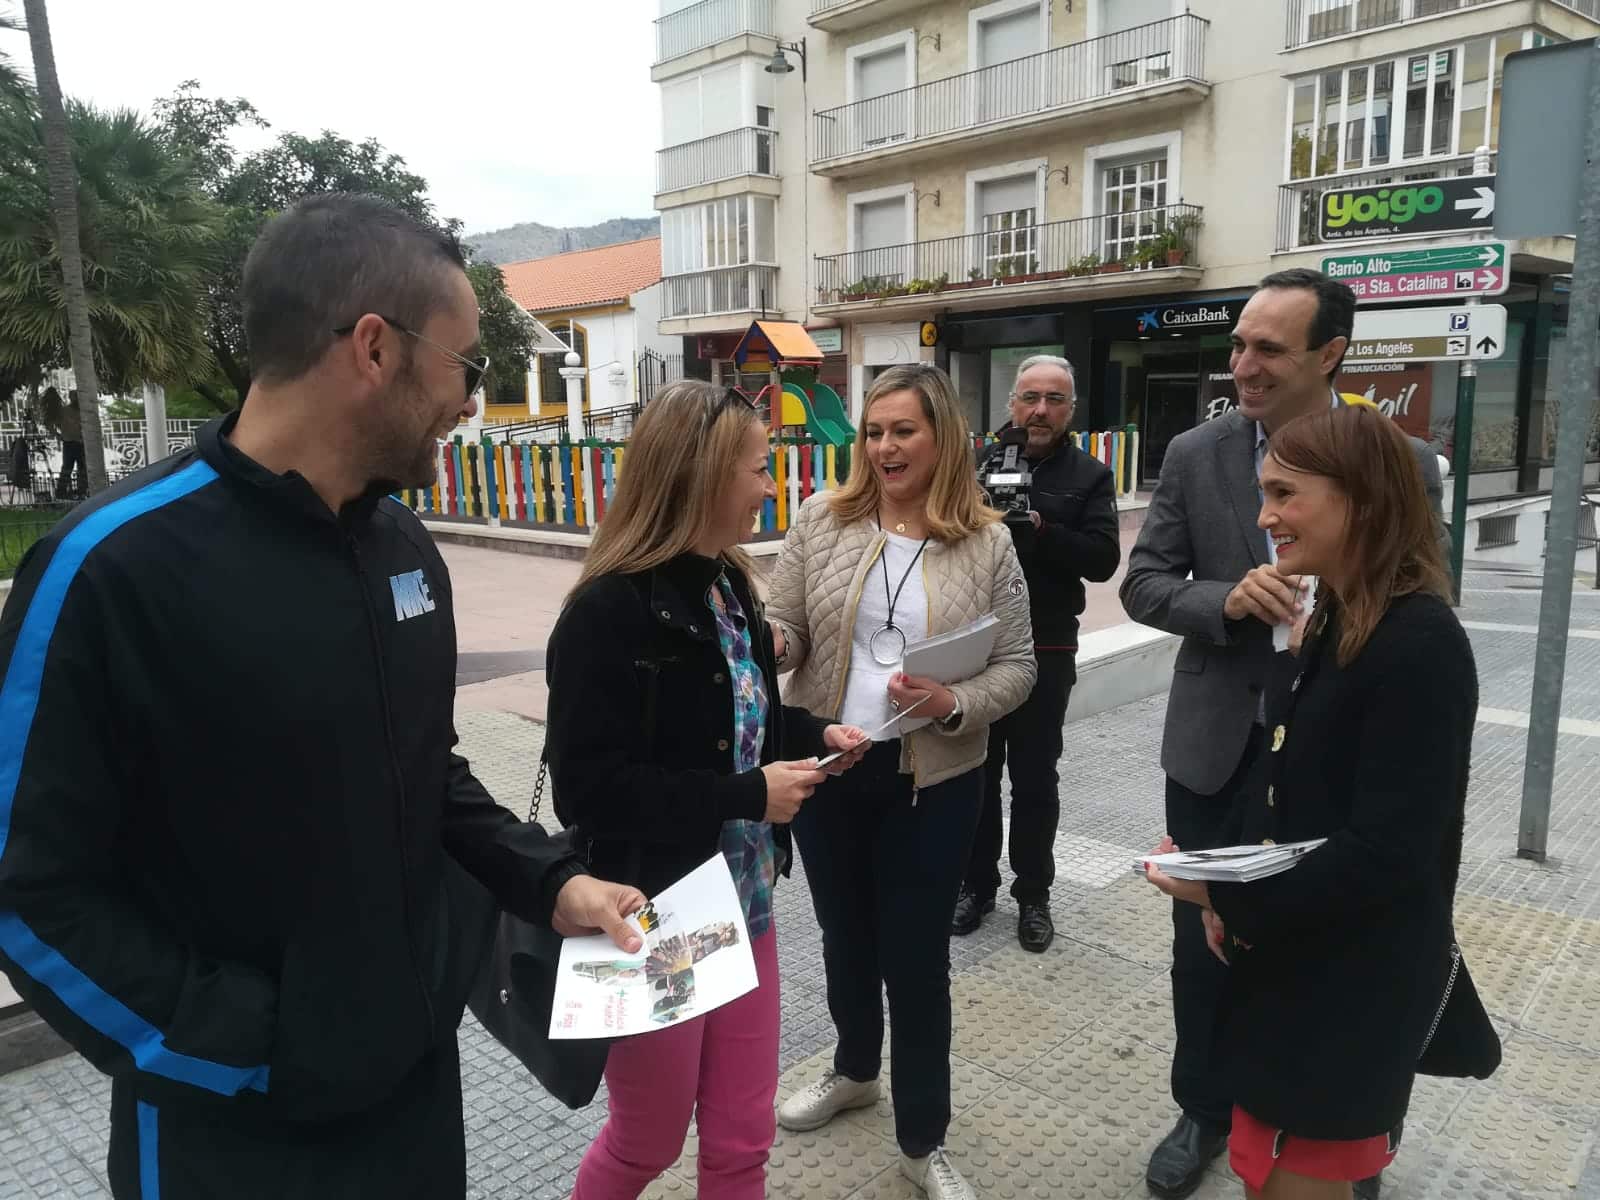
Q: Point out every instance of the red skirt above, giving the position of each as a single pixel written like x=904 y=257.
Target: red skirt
x=1255 y=1150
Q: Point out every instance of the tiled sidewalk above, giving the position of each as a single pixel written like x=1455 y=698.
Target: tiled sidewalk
x=1061 y=1059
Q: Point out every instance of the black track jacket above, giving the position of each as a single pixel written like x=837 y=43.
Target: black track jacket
x=234 y=839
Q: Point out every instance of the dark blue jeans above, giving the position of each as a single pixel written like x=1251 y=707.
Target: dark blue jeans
x=884 y=875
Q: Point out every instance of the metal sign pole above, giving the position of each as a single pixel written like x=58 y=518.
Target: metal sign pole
x=1461 y=460
x=1577 y=404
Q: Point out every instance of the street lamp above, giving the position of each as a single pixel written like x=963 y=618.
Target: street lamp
x=781 y=65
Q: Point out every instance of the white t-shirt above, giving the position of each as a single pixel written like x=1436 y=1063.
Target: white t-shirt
x=866 y=689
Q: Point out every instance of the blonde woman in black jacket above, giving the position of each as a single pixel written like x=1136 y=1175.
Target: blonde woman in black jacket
x=667 y=745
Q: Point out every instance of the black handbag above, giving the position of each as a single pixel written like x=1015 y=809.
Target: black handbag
x=1461 y=1042
x=514 y=994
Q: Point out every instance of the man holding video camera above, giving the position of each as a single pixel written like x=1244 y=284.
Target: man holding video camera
x=1061 y=508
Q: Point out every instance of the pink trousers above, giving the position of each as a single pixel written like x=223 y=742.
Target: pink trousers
x=721 y=1068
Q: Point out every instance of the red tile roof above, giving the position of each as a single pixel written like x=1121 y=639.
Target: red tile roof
x=584 y=278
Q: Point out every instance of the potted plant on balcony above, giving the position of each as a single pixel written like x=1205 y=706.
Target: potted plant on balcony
x=1087 y=265
x=1111 y=267
x=1181 y=232
x=921 y=287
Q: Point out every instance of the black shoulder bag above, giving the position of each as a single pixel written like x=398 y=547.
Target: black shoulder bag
x=514 y=995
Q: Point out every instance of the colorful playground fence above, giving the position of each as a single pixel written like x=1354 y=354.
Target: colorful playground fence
x=568 y=486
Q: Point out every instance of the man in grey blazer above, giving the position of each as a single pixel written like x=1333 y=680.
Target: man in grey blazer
x=1201 y=568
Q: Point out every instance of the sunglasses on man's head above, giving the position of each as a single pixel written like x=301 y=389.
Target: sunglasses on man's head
x=473 y=368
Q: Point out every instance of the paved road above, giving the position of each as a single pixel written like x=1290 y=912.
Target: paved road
x=1061 y=1059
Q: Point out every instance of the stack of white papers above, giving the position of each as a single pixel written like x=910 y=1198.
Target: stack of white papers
x=1230 y=864
x=950 y=657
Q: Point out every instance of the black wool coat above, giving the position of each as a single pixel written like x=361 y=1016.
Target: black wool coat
x=1339 y=965
x=640 y=739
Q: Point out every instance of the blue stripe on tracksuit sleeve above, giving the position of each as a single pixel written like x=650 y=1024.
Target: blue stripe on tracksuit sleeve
x=19 y=700
x=149 y=1154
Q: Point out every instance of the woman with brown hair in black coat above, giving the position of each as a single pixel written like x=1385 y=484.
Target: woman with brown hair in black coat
x=1342 y=966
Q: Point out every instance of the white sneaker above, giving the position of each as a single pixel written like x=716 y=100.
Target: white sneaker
x=814 y=1106
x=937 y=1176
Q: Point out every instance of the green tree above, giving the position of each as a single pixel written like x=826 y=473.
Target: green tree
x=148 y=239
x=11 y=81
x=503 y=327
x=255 y=188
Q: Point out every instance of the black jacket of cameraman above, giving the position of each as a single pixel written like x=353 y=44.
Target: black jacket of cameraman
x=1076 y=500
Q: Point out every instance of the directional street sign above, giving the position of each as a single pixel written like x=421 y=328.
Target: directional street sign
x=1429 y=334
x=1436 y=273
x=1448 y=205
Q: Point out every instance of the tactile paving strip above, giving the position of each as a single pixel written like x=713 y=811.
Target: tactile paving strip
x=1537 y=1071
x=1002 y=1029
x=1509 y=949
x=1536 y=1152
x=1129 y=919
x=1078 y=981
x=1567 y=1006
x=1127 y=1078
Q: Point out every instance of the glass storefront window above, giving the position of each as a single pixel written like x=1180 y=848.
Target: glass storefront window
x=1301 y=125
x=1494 y=411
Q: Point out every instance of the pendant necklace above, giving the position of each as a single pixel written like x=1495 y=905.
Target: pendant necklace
x=888 y=641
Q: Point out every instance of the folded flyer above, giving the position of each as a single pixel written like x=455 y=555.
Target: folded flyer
x=696 y=958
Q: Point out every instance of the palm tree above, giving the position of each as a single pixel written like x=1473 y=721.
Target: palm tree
x=149 y=241
x=11 y=81
x=63 y=178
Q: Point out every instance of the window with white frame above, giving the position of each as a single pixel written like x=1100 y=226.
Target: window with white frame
x=1323 y=19
x=1008 y=220
x=1133 y=200
x=882 y=112
x=733 y=231
x=881 y=235
x=1137 y=55
x=1413 y=108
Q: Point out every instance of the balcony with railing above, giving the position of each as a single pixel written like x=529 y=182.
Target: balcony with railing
x=1086 y=252
x=723 y=290
x=751 y=151
x=837 y=16
x=1298 y=201
x=1135 y=64
x=1313 y=21
x=709 y=22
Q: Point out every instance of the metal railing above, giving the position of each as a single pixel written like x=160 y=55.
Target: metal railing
x=724 y=290
x=1297 y=201
x=127 y=443
x=822 y=6
x=653 y=371
x=1584 y=8
x=1107 y=244
x=1317 y=20
x=709 y=22
x=1161 y=52
x=749 y=151
x=603 y=425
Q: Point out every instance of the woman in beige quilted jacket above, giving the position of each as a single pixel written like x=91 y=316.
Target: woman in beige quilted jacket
x=906 y=549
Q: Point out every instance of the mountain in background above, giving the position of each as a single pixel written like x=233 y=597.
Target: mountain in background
x=532 y=240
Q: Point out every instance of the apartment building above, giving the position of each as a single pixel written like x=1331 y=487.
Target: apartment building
x=970 y=182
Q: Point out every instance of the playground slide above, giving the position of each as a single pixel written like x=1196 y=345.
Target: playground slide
x=825 y=414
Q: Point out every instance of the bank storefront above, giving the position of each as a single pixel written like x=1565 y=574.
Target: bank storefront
x=1162 y=365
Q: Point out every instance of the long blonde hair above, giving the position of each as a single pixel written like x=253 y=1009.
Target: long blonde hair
x=683 y=452
x=956 y=506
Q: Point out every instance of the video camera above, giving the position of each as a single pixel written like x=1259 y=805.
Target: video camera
x=1009 y=482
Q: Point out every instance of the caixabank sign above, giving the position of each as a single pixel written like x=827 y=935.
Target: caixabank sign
x=1449 y=205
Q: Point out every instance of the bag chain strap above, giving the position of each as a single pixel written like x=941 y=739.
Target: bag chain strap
x=1449 y=986
x=538 y=788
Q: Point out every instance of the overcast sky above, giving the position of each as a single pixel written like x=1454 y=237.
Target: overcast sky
x=538 y=110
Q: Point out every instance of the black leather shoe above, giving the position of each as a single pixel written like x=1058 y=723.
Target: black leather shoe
x=1035 y=929
x=1368 y=1189
x=971 y=908
x=1179 y=1163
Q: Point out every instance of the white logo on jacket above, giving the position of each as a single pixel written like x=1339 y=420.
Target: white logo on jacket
x=411 y=598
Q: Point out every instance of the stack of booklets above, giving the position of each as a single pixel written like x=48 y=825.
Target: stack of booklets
x=1230 y=864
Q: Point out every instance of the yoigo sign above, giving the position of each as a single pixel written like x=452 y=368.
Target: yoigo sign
x=1452 y=204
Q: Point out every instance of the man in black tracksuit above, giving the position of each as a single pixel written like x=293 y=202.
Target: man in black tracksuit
x=241 y=869
x=1069 y=535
